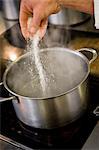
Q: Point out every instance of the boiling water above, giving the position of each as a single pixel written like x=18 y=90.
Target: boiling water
x=53 y=75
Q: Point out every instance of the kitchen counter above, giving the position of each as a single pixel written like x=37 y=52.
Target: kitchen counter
x=8 y=144
x=92 y=142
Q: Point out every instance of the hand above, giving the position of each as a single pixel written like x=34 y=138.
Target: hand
x=39 y=10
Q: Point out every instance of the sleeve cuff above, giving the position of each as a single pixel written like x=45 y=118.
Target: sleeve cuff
x=96 y=13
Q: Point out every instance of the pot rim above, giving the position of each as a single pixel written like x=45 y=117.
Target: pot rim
x=42 y=50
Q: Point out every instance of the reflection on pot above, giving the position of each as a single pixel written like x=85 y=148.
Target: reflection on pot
x=8 y=51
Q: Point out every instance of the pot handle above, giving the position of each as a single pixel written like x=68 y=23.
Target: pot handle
x=92 y=51
x=96 y=111
x=6 y=99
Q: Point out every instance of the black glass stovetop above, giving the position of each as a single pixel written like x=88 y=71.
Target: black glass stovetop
x=72 y=136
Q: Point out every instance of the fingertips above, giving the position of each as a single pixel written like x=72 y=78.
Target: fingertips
x=43 y=28
x=34 y=23
x=24 y=30
x=33 y=30
x=30 y=25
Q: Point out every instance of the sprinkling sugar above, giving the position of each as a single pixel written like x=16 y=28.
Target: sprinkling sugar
x=34 y=49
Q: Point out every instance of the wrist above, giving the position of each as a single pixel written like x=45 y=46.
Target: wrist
x=65 y=2
x=81 y=5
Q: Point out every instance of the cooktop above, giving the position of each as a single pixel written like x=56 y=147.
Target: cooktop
x=69 y=137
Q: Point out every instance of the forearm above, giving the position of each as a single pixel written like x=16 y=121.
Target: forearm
x=81 y=5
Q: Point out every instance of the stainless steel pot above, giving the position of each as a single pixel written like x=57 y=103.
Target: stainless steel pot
x=68 y=72
x=68 y=17
x=11 y=9
x=3 y=65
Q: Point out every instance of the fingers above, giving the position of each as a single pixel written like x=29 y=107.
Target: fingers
x=40 y=10
x=23 y=23
x=35 y=23
x=38 y=24
x=43 y=28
